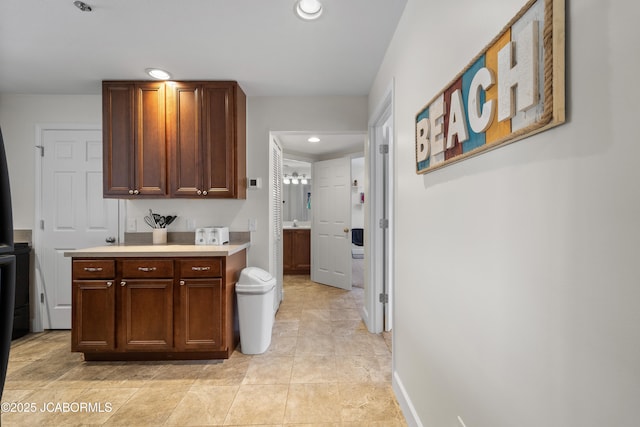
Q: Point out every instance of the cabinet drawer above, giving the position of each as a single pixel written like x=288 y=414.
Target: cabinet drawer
x=94 y=269
x=147 y=268
x=201 y=267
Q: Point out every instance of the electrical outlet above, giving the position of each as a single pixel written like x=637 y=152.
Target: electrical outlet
x=253 y=224
x=132 y=225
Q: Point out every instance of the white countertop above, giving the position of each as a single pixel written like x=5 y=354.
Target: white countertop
x=169 y=250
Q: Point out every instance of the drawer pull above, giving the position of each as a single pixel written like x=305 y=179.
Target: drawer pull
x=181 y=282
x=147 y=269
x=123 y=283
x=109 y=284
x=200 y=268
x=93 y=269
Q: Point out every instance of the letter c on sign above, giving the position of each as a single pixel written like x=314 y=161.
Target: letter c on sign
x=423 y=145
x=480 y=120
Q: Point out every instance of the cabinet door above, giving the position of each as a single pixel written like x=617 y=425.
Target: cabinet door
x=151 y=145
x=134 y=139
x=199 y=317
x=218 y=138
x=146 y=307
x=287 y=250
x=118 y=138
x=184 y=135
x=302 y=251
x=93 y=317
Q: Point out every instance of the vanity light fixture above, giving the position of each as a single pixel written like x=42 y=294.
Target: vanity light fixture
x=294 y=180
x=308 y=9
x=82 y=6
x=286 y=180
x=304 y=181
x=313 y=139
x=158 y=74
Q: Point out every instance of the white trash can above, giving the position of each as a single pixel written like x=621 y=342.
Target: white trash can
x=255 y=291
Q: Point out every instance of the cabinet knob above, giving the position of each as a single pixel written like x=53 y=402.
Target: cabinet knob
x=130 y=191
x=204 y=193
x=199 y=192
x=110 y=239
x=109 y=284
x=181 y=282
x=123 y=283
x=136 y=192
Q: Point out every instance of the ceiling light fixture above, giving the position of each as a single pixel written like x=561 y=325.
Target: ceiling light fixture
x=158 y=74
x=82 y=6
x=314 y=139
x=308 y=9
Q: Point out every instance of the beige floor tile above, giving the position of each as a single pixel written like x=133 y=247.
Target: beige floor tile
x=368 y=402
x=258 y=404
x=354 y=344
x=318 y=345
x=286 y=327
x=282 y=346
x=39 y=408
x=269 y=370
x=359 y=369
x=224 y=373
x=203 y=405
x=312 y=403
x=148 y=406
x=314 y=369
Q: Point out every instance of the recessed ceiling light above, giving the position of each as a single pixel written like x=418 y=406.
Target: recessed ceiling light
x=82 y=6
x=314 y=139
x=308 y=9
x=157 y=73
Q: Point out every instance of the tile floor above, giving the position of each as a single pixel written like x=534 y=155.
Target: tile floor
x=322 y=369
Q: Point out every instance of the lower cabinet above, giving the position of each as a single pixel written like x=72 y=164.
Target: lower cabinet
x=93 y=316
x=296 y=248
x=153 y=309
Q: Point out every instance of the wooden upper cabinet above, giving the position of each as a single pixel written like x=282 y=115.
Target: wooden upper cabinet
x=134 y=139
x=206 y=133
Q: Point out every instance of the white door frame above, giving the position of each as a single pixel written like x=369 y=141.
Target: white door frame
x=378 y=272
x=275 y=231
x=39 y=321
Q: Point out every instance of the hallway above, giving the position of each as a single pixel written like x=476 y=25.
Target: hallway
x=322 y=368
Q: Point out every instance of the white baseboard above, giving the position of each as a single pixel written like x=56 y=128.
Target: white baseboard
x=409 y=412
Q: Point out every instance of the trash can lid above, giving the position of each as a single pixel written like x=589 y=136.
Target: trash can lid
x=254 y=275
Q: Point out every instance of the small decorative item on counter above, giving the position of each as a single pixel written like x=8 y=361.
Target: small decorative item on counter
x=159 y=236
x=154 y=220
x=159 y=224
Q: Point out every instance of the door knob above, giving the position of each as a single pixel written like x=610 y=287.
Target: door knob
x=110 y=240
x=346 y=230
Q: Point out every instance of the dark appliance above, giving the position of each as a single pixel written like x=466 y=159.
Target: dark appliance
x=7 y=267
x=21 y=312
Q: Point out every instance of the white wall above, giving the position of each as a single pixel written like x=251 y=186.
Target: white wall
x=19 y=115
x=517 y=297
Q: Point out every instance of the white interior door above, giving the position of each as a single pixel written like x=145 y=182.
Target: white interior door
x=73 y=213
x=331 y=230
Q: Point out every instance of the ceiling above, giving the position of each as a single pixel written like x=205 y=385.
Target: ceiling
x=51 y=47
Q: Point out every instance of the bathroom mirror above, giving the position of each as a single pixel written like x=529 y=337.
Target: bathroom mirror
x=296 y=191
